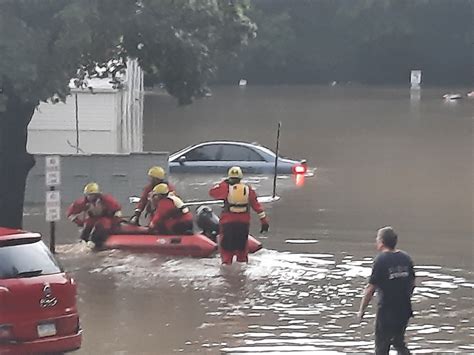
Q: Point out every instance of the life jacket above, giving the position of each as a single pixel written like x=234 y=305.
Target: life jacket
x=237 y=198
x=150 y=207
x=178 y=203
x=96 y=208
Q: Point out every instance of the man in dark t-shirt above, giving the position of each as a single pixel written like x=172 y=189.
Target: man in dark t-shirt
x=393 y=277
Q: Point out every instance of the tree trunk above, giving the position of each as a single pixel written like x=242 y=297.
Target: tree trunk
x=15 y=161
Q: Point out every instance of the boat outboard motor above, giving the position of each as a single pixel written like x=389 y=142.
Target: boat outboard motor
x=208 y=221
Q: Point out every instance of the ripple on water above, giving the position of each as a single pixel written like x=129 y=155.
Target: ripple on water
x=428 y=267
x=311 y=297
x=439 y=284
x=294 y=327
x=301 y=241
x=275 y=350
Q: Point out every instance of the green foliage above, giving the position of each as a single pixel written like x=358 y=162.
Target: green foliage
x=374 y=41
x=44 y=43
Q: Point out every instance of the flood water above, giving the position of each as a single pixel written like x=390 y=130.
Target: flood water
x=382 y=157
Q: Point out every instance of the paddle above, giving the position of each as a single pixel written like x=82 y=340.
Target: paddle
x=261 y=199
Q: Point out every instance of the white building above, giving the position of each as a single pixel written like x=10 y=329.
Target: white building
x=106 y=120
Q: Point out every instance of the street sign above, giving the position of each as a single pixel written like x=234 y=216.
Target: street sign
x=53 y=206
x=53 y=178
x=53 y=162
x=53 y=170
x=53 y=214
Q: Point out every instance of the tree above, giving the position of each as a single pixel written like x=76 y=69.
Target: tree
x=45 y=43
x=267 y=54
x=367 y=41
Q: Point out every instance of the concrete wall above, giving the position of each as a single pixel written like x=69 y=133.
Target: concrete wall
x=122 y=175
x=56 y=142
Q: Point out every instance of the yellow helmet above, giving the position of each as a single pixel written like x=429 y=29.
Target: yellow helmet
x=91 y=188
x=157 y=172
x=235 y=172
x=161 y=189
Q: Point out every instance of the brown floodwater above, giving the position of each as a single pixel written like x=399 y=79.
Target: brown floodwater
x=382 y=157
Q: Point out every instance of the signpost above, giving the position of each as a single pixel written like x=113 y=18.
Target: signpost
x=53 y=197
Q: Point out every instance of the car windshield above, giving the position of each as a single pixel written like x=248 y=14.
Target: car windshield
x=178 y=153
x=27 y=260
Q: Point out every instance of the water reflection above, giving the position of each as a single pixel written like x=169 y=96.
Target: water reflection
x=299 y=179
x=281 y=301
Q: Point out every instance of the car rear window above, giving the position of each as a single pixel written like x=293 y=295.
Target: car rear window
x=27 y=260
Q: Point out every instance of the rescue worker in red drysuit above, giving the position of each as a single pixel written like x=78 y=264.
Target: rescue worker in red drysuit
x=156 y=176
x=235 y=218
x=98 y=214
x=171 y=215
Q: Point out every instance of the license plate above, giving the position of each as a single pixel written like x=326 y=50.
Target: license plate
x=46 y=330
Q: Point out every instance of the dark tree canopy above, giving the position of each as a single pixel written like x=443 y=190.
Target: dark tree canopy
x=367 y=41
x=44 y=42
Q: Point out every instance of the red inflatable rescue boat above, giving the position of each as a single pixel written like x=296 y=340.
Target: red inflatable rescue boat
x=253 y=245
x=196 y=245
x=138 y=239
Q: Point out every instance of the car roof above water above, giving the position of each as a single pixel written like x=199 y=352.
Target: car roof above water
x=224 y=142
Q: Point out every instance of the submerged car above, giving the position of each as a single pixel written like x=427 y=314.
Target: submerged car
x=219 y=156
x=38 y=311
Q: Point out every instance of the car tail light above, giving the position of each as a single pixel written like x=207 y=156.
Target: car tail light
x=6 y=332
x=300 y=168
